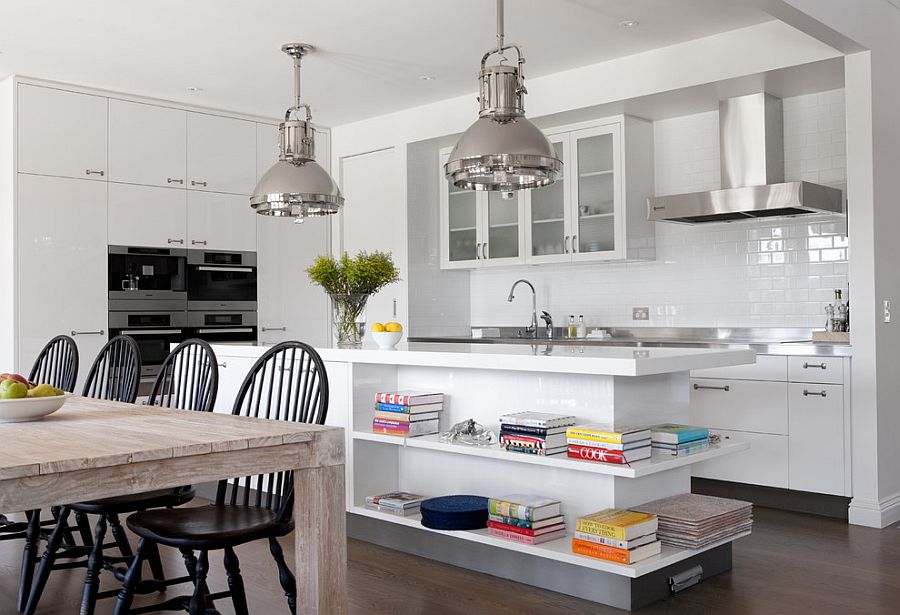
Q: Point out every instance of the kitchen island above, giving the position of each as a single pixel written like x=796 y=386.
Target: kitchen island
x=636 y=386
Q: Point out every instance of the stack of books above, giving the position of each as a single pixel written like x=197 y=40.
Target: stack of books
x=537 y=433
x=617 y=535
x=407 y=413
x=529 y=519
x=673 y=439
x=694 y=521
x=608 y=443
x=400 y=503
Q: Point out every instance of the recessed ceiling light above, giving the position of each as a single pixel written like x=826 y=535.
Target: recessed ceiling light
x=629 y=23
x=194 y=88
x=426 y=77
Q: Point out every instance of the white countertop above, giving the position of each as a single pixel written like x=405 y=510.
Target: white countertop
x=605 y=360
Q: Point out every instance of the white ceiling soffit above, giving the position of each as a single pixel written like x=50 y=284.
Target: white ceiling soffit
x=371 y=54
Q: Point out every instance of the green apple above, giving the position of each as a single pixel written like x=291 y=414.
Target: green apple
x=44 y=390
x=12 y=389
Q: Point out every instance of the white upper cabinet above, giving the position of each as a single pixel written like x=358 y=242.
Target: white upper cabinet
x=61 y=133
x=220 y=222
x=147 y=216
x=267 y=148
x=221 y=154
x=548 y=213
x=147 y=144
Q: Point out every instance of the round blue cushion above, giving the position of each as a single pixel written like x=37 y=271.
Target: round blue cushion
x=455 y=512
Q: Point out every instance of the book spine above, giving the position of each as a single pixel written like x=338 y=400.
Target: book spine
x=398 y=408
x=522 y=429
x=591 y=453
x=600 y=529
x=528 y=540
x=595 y=436
x=533 y=423
x=390 y=424
x=518 y=440
x=612 y=446
x=392 y=398
x=600 y=551
x=603 y=540
x=529 y=449
x=511 y=528
x=508 y=509
x=504 y=520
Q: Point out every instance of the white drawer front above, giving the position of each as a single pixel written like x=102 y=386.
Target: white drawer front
x=742 y=405
x=764 y=463
x=767 y=367
x=817 y=438
x=827 y=370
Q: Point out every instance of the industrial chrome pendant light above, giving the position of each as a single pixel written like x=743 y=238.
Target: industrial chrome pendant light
x=502 y=150
x=296 y=186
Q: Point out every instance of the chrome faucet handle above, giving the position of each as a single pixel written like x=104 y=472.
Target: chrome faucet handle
x=548 y=322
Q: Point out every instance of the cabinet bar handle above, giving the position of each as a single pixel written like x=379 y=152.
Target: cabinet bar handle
x=566 y=244
x=196 y=183
x=819 y=365
x=697 y=387
x=820 y=393
x=484 y=252
x=90 y=172
x=100 y=332
x=197 y=242
x=172 y=180
x=477 y=251
x=178 y=241
x=273 y=329
x=574 y=245
x=395 y=308
x=223 y=364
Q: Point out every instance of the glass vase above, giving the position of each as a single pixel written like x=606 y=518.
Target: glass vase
x=348 y=315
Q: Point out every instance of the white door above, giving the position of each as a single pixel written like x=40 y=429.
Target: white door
x=816 y=461
x=62 y=266
x=220 y=222
x=147 y=144
x=147 y=216
x=374 y=218
x=547 y=227
x=61 y=133
x=266 y=148
x=221 y=154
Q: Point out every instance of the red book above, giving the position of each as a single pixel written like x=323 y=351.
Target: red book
x=605 y=455
x=409 y=398
x=526 y=531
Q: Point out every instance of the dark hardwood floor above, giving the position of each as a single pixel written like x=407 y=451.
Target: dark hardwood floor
x=792 y=563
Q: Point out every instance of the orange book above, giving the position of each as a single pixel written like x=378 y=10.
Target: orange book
x=612 y=554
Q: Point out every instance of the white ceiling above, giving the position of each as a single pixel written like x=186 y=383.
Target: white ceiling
x=371 y=52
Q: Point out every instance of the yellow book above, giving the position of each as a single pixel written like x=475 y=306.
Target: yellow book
x=618 y=524
x=606 y=432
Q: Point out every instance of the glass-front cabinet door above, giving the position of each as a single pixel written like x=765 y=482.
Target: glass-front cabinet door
x=460 y=229
x=503 y=238
x=597 y=217
x=548 y=224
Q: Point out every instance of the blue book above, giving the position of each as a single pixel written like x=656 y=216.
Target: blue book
x=402 y=409
x=672 y=433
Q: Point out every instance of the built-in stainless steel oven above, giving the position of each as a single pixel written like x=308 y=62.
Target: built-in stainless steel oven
x=221 y=281
x=142 y=274
x=223 y=326
x=154 y=331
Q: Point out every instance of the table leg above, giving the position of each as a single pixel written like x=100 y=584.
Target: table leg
x=320 y=540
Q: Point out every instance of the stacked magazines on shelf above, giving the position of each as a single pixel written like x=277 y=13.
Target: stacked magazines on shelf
x=529 y=519
x=616 y=535
x=400 y=503
x=407 y=413
x=674 y=439
x=608 y=443
x=536 y=433
x=692 y=521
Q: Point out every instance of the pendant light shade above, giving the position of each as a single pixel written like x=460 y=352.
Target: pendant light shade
x=502 y=150
x=296 y=186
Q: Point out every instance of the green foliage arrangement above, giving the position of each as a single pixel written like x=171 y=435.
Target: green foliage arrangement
x=366 y=273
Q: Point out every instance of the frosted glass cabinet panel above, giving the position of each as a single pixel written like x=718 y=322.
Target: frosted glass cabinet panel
x=503 y=229
x=548 y=220
x=463 y=228
x=597 y=191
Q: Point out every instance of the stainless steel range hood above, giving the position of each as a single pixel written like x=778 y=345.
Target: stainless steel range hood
x=751 y=140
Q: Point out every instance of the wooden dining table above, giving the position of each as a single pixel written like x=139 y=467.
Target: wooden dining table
x=92 y=449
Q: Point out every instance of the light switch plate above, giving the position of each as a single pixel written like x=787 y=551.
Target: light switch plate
x=887 y=310
x=640 y=313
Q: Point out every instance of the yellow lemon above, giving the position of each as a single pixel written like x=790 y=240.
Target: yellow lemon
x=378 y=327
x=393 y=327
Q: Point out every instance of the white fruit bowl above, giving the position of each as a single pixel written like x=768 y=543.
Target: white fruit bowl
x=386 y=339
x=30 y=408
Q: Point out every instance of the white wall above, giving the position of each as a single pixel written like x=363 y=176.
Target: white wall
x=8 y=225
x=771 y=273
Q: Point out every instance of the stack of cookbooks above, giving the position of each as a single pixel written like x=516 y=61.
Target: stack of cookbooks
x=674 y=439
x=694 y=521
x=617 y=535
x=407 y=413
x=537 y=433
x=529 y=519
x=608 y=443
x=399 y=503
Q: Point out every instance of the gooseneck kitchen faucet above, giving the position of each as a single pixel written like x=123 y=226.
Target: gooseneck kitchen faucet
x=533 y=328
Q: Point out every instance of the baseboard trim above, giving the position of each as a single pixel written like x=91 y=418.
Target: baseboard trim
x=834 y=506
x=877 y=514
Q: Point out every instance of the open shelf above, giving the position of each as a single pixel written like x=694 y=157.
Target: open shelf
x=590 y=216
x=464 y=228
x=503 y=224
x=646 y=467
x=547 y=220
x=559 y=550
x=596 y=173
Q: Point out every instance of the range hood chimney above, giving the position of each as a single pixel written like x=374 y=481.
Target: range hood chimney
x=751 y=141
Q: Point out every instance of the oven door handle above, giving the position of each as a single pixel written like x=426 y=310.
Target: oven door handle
x=226 y=330
x=234 y=269
x=150 y=331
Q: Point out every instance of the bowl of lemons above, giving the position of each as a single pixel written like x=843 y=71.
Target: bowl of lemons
x=387 y=335
x=21 y=400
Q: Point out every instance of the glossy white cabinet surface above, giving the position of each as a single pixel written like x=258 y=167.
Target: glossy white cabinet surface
x=147 y=144
x=232 y=371
x=764 y=463
x=220 y=222
x=62 y=264
x=817 y=437
x=147 y=216
x=61 y=133
x=827 y=370
x=267 y=148
x=221 y=154
x=767 y=367
x=743 y=405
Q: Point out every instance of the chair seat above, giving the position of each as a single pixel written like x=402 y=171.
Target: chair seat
x=208 y=527
x=134 y=502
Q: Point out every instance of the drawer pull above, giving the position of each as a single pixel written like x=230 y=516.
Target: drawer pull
x=223 y=364
x=172 y=180
x=178 y=241
x=725 y=388
x=819 y=365
x=196 y=183
x=274 y=329
x=820 y=393
x=92 y=172
x=100 y=332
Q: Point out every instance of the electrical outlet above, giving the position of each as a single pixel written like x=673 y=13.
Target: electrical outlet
x=640 y=313
x=887 y=310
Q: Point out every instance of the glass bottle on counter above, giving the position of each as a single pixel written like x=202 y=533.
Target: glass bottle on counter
x=572 y=331
x=840 y=312
x=829 y=317
x=581 y=330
